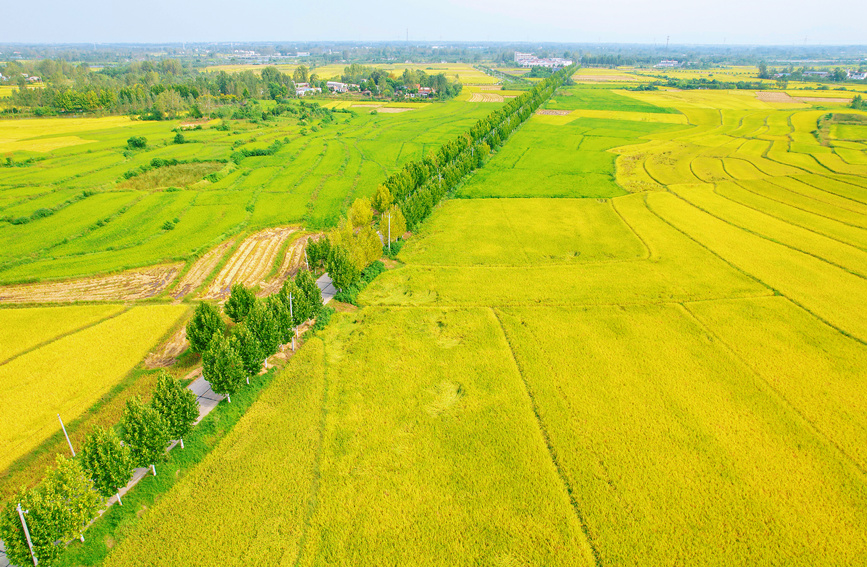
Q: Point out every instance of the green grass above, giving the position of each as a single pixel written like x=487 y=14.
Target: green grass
x=547 y=160
x=578 y=97
x=312 y=180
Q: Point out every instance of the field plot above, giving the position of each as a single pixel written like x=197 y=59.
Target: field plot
x=558 y=160
x=453 y=458
x=68 y=375
x=520 y=232
x=250 y=263
x=124 y=217
x=126 y=286
x=682 y=442
x=23 y=329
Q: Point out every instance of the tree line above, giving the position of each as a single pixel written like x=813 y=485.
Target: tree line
x=408 y=196
x=60 y=507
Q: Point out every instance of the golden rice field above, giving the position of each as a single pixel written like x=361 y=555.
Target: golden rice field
x=670 y=371
x=69 y=374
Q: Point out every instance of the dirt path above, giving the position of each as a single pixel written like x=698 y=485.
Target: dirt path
x=127 y=286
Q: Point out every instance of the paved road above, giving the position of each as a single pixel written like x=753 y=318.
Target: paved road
x=207 y=399
x=326 y=287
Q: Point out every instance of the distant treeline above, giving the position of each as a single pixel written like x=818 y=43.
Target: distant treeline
x=168 y=88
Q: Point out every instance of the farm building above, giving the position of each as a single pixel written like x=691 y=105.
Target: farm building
x=303 y=91
x=668 y=63
x=530 y=60
x=854 y=76
x=339 y=87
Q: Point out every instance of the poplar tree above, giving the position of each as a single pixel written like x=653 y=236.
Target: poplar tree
x=306 y=283
x=222 y=367
x=249 y=348
x=177 y=404
x=146 y=432
x=107 y=461
x=239 y=303
x=202 y=327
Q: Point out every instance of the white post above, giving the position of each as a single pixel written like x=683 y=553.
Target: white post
x=389 y=232
x=27 y=534
x=119 y=501
x=291 y=312
x=154 y=469
x=248 y=380
x=81 y=536
x=67 y=435
x=228 y=397
x=306 y=263
x=182 y=443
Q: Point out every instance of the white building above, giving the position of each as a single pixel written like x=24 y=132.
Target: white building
x=337 y=86
x=668 y=63
x=530 y=60
x=855 y=76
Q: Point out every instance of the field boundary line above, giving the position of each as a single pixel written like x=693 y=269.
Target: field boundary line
x=769 y=239
x=650 y=255
x=551 y=452
x=125 y=309
x=315 y=479
x=830 y=193
x=774 y=391
x=739 y=183
x=749 y=275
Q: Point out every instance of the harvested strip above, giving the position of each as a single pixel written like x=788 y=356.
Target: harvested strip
x=292 y=261
x=201 y=269
x=134 y=284
x=167 y=354
x=486 y=97
x=392 y=109
x=786 y=97
x=547 y=112
x=250 y=263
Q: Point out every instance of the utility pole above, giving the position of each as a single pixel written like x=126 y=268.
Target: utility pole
x=27 y=533
x=67 y=435
x=389 y=232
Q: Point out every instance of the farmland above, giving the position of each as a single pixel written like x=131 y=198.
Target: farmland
x=678 y=342
x=635 y=336
x=71 y=373
x=91 y=220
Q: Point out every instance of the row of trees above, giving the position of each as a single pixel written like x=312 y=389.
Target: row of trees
x=59 y=508
x=408 y=196
x=229 y=359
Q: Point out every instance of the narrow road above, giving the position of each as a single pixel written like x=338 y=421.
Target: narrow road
x=207 y=399
x=326 y=286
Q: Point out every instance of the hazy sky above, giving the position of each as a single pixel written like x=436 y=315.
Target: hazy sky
x=629 y=21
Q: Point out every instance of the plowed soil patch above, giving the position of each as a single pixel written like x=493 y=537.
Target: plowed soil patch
x=486 y=97
x=545 y=112
x=167 y=354
x=250 y=263
x=127 y=286
x=201 y=269
x=292 y=261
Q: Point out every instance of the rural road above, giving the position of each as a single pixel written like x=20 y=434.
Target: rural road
x=207 y=399
x=326 y=287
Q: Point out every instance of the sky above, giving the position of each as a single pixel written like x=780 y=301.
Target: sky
x=777 y=22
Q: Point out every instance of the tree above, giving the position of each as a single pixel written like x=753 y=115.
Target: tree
x=283 y=318
x=763 y=71
x=222 y=367
x=146 y=432
x=56 y=511
x=300 y=74
x=137 y=142
x=858 y=103
x=71 y=490
x=370 y=245
x=382 y=199
x=206 y=322
x=239 y=303
x=263 y=324
x=360 y=213
x=107 y=461
x=177 y=405
x=248 y=347
x=341 y=268
x=306 y=283
x=392 y=224
x=179 y=138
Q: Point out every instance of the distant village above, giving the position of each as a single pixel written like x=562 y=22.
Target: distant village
x=530 y=60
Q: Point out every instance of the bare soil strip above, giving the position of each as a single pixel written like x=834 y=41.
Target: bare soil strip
x=766 y=96
x=605 y=78
x=250 y=263
x=168 y=353
x=392 y=110
x=126 y=286
x=292 y=262
x=201 y=269
x=486 y=97
x=546 y=112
